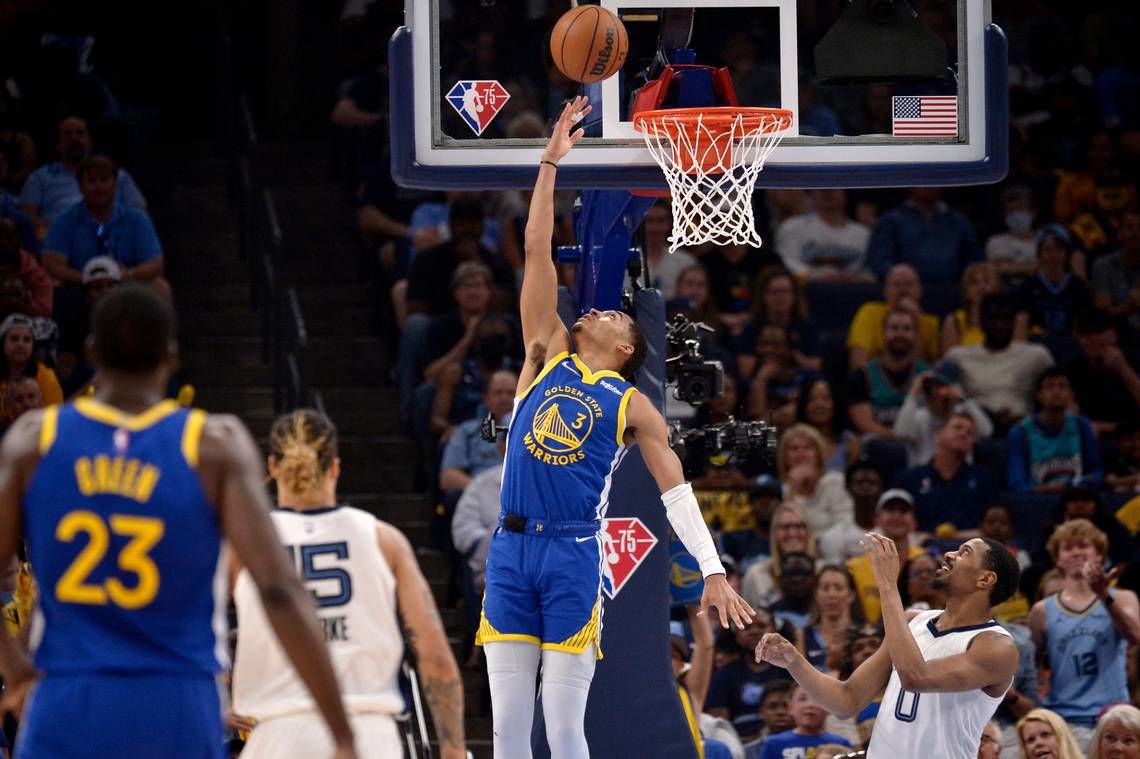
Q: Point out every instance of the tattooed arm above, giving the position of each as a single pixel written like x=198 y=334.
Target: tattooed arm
x=423 y=630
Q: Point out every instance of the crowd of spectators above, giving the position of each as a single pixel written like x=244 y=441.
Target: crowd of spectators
x=941 y=365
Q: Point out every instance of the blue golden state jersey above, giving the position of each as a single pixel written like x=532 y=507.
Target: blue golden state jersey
x=124 y=544
x=565 y=442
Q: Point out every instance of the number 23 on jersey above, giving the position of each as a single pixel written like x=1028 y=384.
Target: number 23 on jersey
x=142 y=533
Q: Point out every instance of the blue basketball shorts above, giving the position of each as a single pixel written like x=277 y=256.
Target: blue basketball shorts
x=543 y=590
x=100 y=716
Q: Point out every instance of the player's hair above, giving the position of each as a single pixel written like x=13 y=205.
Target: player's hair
x=1126 y=714
x=133 y=329
x=1001 y=561
x=1077 y=529
x=637 y=358
x=1065 y=740
x=303 y=445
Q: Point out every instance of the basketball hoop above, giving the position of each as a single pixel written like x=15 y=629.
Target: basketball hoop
x=711 y=158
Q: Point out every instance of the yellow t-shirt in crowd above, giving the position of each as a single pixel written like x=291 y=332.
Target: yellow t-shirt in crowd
x=867 y=331
x=865 y=586
x=726 y=510
x=1129 y=515
x=968 y=334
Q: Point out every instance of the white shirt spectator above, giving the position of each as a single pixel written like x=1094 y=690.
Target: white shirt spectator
x=812 y=248
x=915 y=427
x=476 y=516
x=1013 y=251
x=1001 y=380
x=828 y=505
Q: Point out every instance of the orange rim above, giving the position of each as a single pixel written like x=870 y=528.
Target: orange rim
x=716 y=119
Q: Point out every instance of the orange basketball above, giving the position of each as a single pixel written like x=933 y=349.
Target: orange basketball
x=588 y=43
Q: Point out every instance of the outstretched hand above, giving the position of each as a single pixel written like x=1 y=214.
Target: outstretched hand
x=728 y=603
x=561 y=138
x=1098 y=581
x=776 y=650
x=884 y=559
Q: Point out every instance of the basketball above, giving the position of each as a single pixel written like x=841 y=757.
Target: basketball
x=588 y=44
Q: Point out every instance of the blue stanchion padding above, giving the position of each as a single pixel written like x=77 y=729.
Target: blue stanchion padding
x=685 y=580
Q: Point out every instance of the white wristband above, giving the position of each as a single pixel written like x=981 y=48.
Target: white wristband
x=685 y=517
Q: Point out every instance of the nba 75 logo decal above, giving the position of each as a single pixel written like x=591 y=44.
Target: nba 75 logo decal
x=626 y=542
x=477 y=101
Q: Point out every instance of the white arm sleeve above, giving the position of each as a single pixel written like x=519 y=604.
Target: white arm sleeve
x=685 y=517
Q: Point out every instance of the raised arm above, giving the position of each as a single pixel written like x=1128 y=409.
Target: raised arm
x=989 y=664
x=423 y=629
x=538 y=303
x=843 y=698
x=647 y=427
x=231 y=470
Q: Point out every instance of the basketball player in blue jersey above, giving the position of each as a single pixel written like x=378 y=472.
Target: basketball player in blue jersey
x=576 y=415
x=945 y=672
x=124 y=500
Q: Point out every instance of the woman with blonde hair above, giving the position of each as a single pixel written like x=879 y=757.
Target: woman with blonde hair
x=791 y=533
x=963 y=326
x=801 y=464
x=360 y=572
x=1043 y=734
x=1117 y=734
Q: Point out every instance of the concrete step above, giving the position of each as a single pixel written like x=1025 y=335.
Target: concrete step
x=395 y=508
x=332 y=360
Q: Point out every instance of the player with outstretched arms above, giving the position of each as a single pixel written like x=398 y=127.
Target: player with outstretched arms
x=945 y=672
x=576 y=416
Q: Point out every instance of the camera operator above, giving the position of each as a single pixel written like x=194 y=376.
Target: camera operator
x=933 y=396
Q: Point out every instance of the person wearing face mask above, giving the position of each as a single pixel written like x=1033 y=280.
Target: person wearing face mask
x=1054 y=295
x=1013 y=252
x=1083 y=630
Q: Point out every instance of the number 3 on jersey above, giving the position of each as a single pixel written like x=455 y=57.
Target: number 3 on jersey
x=144 y=534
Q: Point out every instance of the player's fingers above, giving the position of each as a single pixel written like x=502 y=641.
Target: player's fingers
x=747 y=606
x=1114 y=572
x=723 y=613
x=577 y=135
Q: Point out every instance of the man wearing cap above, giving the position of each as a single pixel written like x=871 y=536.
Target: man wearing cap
x=933 y=396
x=1116 y=277
x=1053 y=295
x=894 y=517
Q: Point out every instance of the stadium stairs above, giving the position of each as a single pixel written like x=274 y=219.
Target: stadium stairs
x=221 y=344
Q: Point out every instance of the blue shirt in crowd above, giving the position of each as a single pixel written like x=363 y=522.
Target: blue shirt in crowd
x=1038 y=454
x=939 y=248
x=467 y=450
x=53 y=189
x=128 y=236
x=959 y=500
x=792 y=745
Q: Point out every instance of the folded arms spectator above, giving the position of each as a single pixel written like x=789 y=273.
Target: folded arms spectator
x=926 y=233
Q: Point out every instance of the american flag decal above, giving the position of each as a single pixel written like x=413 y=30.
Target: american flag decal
x=924 y=116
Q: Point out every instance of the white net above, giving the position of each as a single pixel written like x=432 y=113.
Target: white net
x=711 y=160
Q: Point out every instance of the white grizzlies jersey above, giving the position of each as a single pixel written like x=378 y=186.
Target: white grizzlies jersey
x=943 y=725
x=336 y=553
